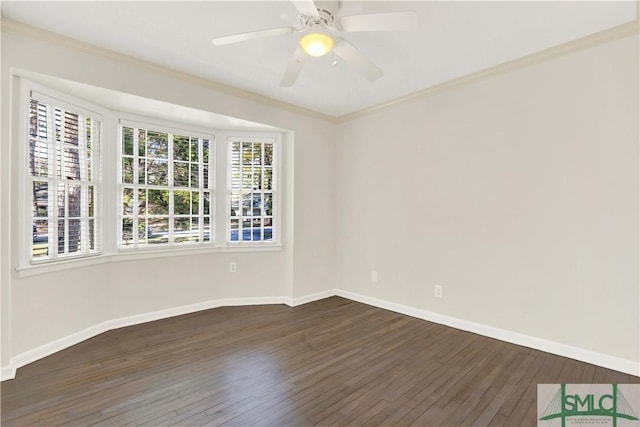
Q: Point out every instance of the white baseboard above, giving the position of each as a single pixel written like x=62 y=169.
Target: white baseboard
x=588 y=356
x=22 y=359
x=577 y=353
x=313 y=297
x=37 y=353
x=7 y=372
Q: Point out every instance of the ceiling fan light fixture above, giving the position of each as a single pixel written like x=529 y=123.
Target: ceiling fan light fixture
x=316 y=44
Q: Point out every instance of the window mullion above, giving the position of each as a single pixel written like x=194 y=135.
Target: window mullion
x=200 y=192
x=261 y=188
x=52 y=220
x=135 y=186
x=66 y=214
x=171 y=216
x=84 y=218
x=84 y=188
x=170 y=183
x=252 y=194
x=52 y=143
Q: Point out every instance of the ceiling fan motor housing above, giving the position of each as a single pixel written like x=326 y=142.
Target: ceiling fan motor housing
x=326 y=19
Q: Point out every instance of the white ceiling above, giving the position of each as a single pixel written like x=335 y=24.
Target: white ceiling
x=456 y=38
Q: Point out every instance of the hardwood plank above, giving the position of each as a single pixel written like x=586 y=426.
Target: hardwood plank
x=330 y=362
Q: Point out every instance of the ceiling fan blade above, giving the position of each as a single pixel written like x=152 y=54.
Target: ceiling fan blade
x=235 y=38
x=357 y=60
x=293 y=69
x=306 y=7
x=392 y=21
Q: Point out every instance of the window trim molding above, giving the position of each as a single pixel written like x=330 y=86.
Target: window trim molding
x=45 y=94
x=278 y=139
x=124 y=120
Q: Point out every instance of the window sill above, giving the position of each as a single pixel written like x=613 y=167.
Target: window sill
x=60 y=265
x=138 y=254
x=144 y=253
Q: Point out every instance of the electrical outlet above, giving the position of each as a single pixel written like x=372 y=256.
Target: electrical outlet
x=438 y=291
x=232 y=267
x=374 y=276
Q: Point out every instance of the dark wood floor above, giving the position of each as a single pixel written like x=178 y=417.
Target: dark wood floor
x=330 y=362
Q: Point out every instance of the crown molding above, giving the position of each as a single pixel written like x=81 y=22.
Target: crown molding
x=608 y=35
x=11 y=26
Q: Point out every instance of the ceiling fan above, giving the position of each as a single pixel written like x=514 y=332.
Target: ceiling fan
x=319 y=34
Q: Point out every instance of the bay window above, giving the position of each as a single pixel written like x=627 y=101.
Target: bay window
x=112 y=183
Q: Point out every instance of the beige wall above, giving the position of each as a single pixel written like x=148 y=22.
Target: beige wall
x=518 y=194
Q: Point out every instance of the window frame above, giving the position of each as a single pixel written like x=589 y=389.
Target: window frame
x=261 y=137
x=169 y=128
x=28 y=91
